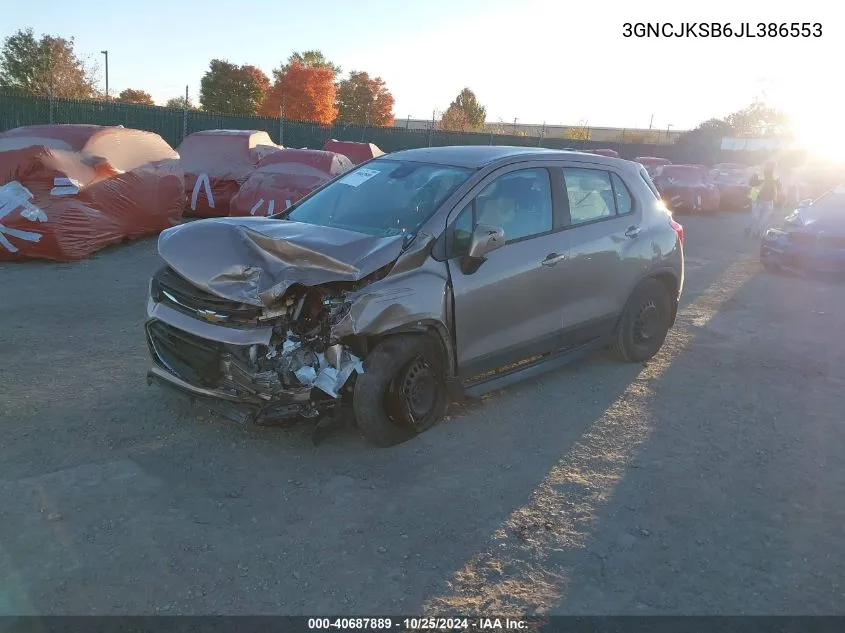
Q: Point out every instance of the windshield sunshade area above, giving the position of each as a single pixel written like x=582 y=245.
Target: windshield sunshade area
x=682 y=176
x=381 y=198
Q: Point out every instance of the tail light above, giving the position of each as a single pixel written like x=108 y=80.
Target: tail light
x=679 y=229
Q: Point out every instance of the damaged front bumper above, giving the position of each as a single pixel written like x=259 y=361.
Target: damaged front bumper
x=248 y=372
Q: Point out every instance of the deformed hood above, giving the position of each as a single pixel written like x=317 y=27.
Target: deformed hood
x=255 y=260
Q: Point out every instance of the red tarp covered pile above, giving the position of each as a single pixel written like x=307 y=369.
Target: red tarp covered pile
x=217 y=163
x=67 y=191
x=284 y=177
x=356 y=152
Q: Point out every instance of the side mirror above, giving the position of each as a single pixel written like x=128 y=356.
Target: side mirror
x=485 y=239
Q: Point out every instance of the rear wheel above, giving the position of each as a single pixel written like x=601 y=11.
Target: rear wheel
x=402 y=391
x=644 y=323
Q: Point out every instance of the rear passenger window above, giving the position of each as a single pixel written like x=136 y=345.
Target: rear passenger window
x=590 y=194
x=624 y=202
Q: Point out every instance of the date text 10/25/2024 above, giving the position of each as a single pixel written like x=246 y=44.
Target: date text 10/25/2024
x=722 y=29
x=418 y=624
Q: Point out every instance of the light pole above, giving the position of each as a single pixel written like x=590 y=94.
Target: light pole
x=106 y=53
x=667 y=132
x=408 y=124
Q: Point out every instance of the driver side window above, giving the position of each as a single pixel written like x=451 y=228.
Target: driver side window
x=520 y=202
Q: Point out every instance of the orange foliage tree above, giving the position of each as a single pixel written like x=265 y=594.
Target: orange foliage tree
x=307 y=93
x=135 y=96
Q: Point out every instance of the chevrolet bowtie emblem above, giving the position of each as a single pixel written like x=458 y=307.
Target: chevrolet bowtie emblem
x=212 y=316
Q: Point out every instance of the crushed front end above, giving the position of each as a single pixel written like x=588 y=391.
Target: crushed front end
x=246 y=362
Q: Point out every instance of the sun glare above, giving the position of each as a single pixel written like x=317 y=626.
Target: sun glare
x=821 y=136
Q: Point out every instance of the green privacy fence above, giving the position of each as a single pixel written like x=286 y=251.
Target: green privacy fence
x=173 y=124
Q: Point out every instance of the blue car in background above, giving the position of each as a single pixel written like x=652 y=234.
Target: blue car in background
x=812 y=238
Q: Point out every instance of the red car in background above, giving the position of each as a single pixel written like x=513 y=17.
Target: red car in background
x=652 y=163
x=685 y=188
x=732 y=181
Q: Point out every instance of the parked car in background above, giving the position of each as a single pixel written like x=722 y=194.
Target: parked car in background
x=704 y=170
x=732 y=167
x=283 y=178
x=217 y=163
x=67 y=191
x=684 y=188
x=651 y=163
x=812 y=238
x=610 y=153
x=356 y=152
x=734 y=188
x=383 y=292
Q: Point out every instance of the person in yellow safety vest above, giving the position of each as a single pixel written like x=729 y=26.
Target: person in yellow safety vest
x=764 y=193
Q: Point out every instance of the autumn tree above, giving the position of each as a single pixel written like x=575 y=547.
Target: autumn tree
x=364 y=100
x=179 y=102
x=262 y=83
x=454 y=120
x=474 y=112
x=229 y=89
x=580 y=132
x=41 y=66
x=305 y=93
x=135 y=96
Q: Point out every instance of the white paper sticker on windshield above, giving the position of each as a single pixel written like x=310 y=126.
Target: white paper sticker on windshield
x=839 y=190
x=359 y=176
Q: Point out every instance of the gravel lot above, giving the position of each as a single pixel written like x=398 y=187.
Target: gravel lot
x=709 y=481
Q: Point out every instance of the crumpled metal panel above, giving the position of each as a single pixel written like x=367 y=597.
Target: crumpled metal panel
x=255 y=260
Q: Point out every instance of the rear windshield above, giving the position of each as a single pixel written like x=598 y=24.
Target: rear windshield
x=731 y=177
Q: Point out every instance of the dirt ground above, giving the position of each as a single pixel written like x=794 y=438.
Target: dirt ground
x=710 y=481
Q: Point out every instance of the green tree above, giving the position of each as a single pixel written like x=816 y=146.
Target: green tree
x=758 y=120
x=310 y=59
x=467 y=103
x=755 y=120
x=41 y=66
x=229 y=89
x=364 y=100
x=179 y=102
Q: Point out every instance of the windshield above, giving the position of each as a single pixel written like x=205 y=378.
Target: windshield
x=832 y=204
x=382 y=197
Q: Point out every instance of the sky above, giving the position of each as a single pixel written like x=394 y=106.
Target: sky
x=532 y=60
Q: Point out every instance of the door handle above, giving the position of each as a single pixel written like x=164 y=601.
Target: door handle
x=553 y=258
x=633 y=231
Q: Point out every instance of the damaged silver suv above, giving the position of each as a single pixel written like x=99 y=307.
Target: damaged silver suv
x=417 y=278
